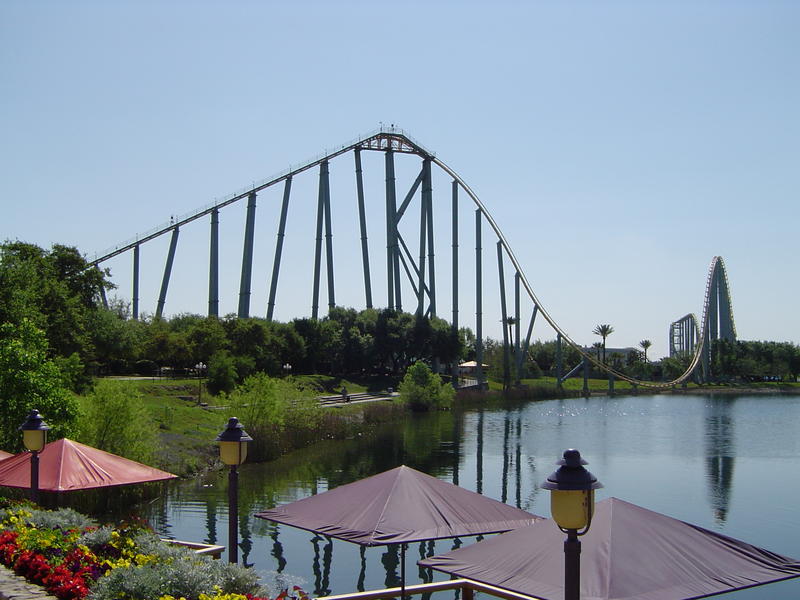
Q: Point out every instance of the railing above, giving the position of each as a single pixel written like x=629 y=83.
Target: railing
x=467 y=587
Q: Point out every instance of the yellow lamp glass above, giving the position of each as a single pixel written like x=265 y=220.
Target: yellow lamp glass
x=571 y=509
x=34 y=439
x=233 y=453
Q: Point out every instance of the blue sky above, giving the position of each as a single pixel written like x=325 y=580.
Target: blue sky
x=618 y=145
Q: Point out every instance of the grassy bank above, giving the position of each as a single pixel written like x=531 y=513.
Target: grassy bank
x=188 y=419
x=187 y=428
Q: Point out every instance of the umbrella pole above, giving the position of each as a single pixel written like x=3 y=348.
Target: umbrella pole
x=402 y=571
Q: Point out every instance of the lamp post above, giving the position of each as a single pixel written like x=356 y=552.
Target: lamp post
x=200 y=367
x=572 y=506
x=34 y=437
x=232 y=451
x=287 y=369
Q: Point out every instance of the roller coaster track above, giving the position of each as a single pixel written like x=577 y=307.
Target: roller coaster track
x=717 y=322
x=717 y=312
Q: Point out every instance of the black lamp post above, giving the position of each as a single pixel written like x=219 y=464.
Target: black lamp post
x=200 y=368
x=233 y=450
x=34 y=437
x=572 y=506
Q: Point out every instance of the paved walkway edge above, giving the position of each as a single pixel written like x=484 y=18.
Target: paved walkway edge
x=14 y=587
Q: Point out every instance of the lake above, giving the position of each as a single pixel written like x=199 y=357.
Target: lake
x=729 y=463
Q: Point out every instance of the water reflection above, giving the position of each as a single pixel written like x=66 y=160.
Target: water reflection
x=661 y=452
x=391 y=560
x=720 y=451
x=322 y=575
x=211 y=521
x=245 y=539
x=479 y=455
x=363 y=571
x=277 y=550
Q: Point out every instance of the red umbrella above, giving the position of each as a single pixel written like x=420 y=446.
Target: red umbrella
x=4 y=455
x=629 y=553
x=65 y=466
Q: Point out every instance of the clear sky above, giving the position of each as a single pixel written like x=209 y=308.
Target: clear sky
x=618 y=145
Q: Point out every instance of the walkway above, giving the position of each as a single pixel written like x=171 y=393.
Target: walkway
x=14 y=587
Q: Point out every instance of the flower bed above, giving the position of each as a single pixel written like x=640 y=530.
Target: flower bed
x=72 y=559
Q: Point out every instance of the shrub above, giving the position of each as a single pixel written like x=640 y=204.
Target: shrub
x=109 y=563
x=117 y=421
x=179 y=572
x=421 y=389
x=221 y=372
x=64 y=518
x=273 y=411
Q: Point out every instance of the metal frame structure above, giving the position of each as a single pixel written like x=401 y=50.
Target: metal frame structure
x=687 y=338
x=420 y=270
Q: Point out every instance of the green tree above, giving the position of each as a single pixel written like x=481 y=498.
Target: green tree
x=603 y=330
x=29 y=380
x=222 y=373
x=115 y=420
x=56 y=290
x=117 y=341
x=645 y=345
x=206 y=337
x=422 y=390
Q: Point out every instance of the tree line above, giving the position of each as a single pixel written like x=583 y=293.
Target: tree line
x=50 y=307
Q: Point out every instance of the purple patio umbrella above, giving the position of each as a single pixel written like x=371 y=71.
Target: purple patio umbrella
x=629 y=553
x=399 y=506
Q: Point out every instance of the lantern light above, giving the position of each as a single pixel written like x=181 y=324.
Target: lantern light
x=34 y=431
x=572 y=492
x=233 y=443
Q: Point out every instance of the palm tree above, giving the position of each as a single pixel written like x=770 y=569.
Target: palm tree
x=603 y=330
x=645 y=344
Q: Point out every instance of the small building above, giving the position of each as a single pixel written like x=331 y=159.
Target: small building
x=470 y=367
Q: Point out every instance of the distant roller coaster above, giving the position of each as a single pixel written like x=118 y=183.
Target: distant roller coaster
x=686 y=337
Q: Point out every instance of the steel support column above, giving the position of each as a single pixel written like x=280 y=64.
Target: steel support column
x=559 y=360
x=328 y=236
x=247 y=258
x=409 y=196
x=276 y=263
x=136 y=282
x=478 y=300
x=391 y=240
x=530 y=330
x=427 y=190
x=318 y=247
x=517 y=344
x=213 y=266
x=362 y=219
x=423 y=215
x=454 y=229
x=504 y=317
x=103 y=297
x=585 y=376
x=162 y=296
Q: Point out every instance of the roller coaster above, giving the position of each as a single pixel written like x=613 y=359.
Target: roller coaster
x=687 y=337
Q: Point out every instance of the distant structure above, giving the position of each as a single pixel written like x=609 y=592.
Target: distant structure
x=687 y=338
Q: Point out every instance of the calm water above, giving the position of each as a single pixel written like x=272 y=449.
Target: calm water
x=727 y=463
